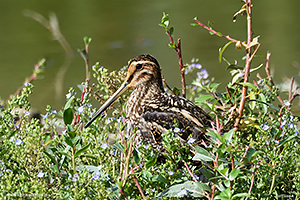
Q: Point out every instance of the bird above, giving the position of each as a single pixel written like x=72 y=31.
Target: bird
x=153 y=111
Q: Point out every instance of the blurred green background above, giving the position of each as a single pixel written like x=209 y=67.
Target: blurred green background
x=123 y=29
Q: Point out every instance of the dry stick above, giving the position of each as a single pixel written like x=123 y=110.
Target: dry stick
x=248 y=62
x=137 y=184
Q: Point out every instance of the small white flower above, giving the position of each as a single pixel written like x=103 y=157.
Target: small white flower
x=40 y=174
x=69 y=95
x=176 y=130
x=191 y=140
x=81 y=109
x=12 y=139
x=287 y=103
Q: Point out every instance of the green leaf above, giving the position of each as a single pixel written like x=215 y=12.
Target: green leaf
x=250 y=85
x=119 y=147
x=252 y=102
x=72 y=134
x=214 y=135
x=171 y=30
x=50 y=156
x=254 y=69
x=151 y=162
x=250 y=153
x=240 y=195
x=68 y=104
x=68 y=116
x=68 y=140
x=203 y=154
x=172 y=45
x=284 y=141
x=194 y=189
x=223 y=49
x=233 y=174
x=263 y=105
x=203 y=98
x=225 y=195
x=87 y=40
x=228 y=136
x=77 y=153
x=159 y=178
x=136 y=156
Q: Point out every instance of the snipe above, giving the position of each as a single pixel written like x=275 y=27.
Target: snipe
x=152 y=110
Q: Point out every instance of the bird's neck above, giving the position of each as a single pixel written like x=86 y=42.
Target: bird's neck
x=144 y=92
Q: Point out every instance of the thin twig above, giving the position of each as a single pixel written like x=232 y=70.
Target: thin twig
x=248 y=62
x=137 y=184
x=192 y=175
x=218 y=34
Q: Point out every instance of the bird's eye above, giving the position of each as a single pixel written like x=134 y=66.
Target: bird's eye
x=139 y=66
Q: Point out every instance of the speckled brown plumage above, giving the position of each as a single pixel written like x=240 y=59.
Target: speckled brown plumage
x=152 y=110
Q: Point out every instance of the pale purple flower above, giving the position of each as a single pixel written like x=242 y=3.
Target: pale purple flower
x=287 y=103
x=96 y=176
x=18 y=142
x=171 y=173
x=99 y=167
x=104 y=146
x=75 y=177
x=152 y=189
x=25 y=84
x=182 y=193
x=40 y=174
x=265 y=127
x=27 y=113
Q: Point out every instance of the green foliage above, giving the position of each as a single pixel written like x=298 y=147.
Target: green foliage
x=55 y=157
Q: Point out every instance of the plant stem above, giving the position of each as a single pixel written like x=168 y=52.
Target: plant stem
x=137 y=184
x=248 y=61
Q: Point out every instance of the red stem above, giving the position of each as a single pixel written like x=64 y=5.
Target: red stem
x=192 y=175
x=137 y=183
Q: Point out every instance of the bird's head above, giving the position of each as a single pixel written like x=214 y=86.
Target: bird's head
x=143 y=69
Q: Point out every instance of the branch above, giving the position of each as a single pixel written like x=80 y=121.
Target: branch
x=218 y=33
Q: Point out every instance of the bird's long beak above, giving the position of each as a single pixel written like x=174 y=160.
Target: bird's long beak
x=118 y=93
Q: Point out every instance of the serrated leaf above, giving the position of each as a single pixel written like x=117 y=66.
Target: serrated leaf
x=68 y=116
